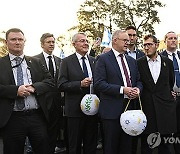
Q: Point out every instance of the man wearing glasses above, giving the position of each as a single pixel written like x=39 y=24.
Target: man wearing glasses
x=159 y=106
x=76 y=77
x=116 y=78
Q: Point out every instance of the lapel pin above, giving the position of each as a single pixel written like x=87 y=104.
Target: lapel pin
x=164 y=64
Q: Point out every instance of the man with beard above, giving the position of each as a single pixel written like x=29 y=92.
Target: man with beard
x=157 y=97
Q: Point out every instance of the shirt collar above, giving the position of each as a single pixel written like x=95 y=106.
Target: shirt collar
x=134 y=51
x=80 y=56
x=11 y=56
x=116 y=53
x=158 y=58
x=46 y=55
x=170 y=53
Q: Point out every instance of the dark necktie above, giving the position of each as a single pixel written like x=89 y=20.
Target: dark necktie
x=84 y=67
x=176 y=70
x=51 y=68
x=125 y=71
x=20 y=81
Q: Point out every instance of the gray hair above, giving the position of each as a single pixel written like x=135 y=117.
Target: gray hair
x=116 y=33
x=74 y=38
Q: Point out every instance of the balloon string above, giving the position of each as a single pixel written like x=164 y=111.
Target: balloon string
x=129 y=102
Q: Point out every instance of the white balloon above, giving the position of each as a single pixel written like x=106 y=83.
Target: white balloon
x=90 y=104
x=133 y=122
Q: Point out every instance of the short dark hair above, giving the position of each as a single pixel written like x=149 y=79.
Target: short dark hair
x=165 y=37
x=131 y=27
x=13 y=30
x=44 y=36
x=155 y=40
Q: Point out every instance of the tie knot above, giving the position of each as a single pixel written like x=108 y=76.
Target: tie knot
x=173 y=54
x=121 y=55
x=83 y=58
x=18 y=59
x=50 y=57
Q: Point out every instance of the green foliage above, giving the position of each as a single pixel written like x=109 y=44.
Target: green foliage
x=3 y=47
x=88 y=103
x=95 y=14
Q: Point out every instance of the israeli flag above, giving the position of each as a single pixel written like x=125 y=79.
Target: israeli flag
x=62 y=55
x=107 y=37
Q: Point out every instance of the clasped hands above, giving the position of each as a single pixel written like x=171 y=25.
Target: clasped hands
x=86 y=82
x=131 y=92
x=25 y=90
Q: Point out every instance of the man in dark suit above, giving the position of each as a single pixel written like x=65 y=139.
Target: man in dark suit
x=117 y=79
x=23 y=87
x=136 y=53
x=158 y=103
x=47 y=58
x=132 y=50
x=76 y=77
x=171 y=41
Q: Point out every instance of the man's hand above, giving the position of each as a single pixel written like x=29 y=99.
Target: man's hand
x=132 y=93
x=173 y=94
x=25 y=90
x=86 y=82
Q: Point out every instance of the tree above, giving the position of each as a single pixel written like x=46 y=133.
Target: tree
x=3 y=47
x=93 y=15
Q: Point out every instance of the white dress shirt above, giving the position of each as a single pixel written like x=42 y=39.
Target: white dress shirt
x=118 y=58
x=30 y=101
x=155 y=67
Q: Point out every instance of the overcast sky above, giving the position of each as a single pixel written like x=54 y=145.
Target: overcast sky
x=36 y=17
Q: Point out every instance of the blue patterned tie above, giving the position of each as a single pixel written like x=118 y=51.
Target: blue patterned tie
x=20 y=101
x=84 y=67
x=176 y=70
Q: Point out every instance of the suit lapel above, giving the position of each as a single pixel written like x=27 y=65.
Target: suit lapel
x=31 y=67
x=163 y=66
x=41 y=56
x=7 y=63
x=57 y=64
x=92 y=63
x=114 y=62
x=145 y=66
x=76 y=65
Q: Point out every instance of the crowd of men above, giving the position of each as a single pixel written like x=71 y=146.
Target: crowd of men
x=40 y=96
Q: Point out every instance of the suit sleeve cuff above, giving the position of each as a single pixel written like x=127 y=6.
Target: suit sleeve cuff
x=121 y=89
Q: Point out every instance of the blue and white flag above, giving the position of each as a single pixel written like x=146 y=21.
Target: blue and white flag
x=62 y=55
x=107 y=37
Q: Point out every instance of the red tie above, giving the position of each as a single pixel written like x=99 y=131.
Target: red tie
x=125 y=71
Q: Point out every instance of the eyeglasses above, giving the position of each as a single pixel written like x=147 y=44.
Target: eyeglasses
x=82 y=41
x=130 y=35
x=148 y=45
x=124 y=40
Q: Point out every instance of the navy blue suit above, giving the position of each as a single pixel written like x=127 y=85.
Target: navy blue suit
x=108 y=80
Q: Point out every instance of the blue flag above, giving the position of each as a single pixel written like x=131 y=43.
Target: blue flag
x=107 y=37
